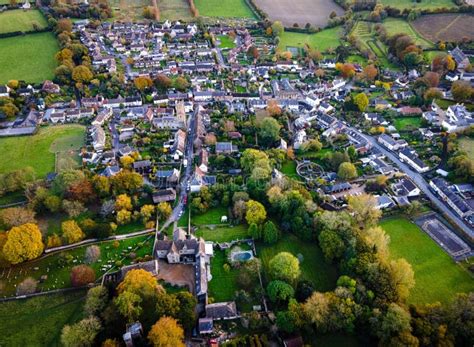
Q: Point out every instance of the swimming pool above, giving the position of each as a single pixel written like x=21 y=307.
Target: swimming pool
x=242 y=256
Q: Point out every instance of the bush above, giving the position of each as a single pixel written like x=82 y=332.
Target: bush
x=28 y=286
x=82 y=275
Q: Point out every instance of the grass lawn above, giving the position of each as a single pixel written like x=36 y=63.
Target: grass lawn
x=313 y=266
x=466 y=144
x=437 y=276
x=226 y=41
x=402 y=122
x=223 y=285
x=396 y=26
x=223 y=233
x=19 y=20
x=424 y=4
x=289 y=168
x=38 y=321
x=323 y=40
x=38 y=150
x=58 y=266
x=130 y=228
x=212 y=216
x=224 y=8
x=29 y=58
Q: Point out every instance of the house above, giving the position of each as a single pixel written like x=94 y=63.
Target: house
x=384 y=201
x=200 y=179
x=440 y=186
x=375 y=119
x=205 y=326
x=167 y=178
x=179 y=146
x=388 y=142
x=337 y=188
x=408 y=156
x=225 y=148
x=409 y=111
x=4 y=92
x=110 y=171
x=142 y=167
x=98 y=138
x=50 y=87
x=180 y=251
x=406 y=187
x=134 y=332
x=380 y=104
x=461 y=59
x=222 y=311
x=381 y=166
x=164 y=195
x=103 y=116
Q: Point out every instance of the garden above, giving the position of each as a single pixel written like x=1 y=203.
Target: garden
x=407 y=123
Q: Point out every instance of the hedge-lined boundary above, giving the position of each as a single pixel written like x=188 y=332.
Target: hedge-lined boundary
x=22 y=33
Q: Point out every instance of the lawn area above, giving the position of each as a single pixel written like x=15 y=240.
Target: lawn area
x=223 y=233
x=424 y=4
x=289 y=169
x=38 y=321
x=224 y=8
x=437 y=276
x=466 y=144
x=38 y=150
x=212 y=216
x=226 y=41
x=58 y=266
x=19 y=20
x=396 y=26
x=313 y=266
x=223 y=285
x=323 y=40
x=402 y=122
x=29 y=58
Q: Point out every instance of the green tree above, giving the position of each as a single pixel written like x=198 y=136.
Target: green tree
x=82 y=333
x=285 y=266
x=277 y=28
x=279 y=291
x=269 y=130
x=347 y=171
x=361 y=101
x=255 y=232
x=270 y=233
x=96 y=301
x=129 y=305
x=331 y=245
x=256 y=213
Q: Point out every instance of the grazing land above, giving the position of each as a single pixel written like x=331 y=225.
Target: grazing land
x=437 y=276
x=423 y=4
x=128 y=9
x=19 y=20
x=445 y=27
x=224 y=8
x=466 y=144
x=29 y=58
x=302 y=12
x=38 y=151
x=38 y=321
x=174 y=10
x=312 y=264
x=323 y=40
x=396 y=26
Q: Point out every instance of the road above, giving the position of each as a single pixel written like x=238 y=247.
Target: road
x=421 y=183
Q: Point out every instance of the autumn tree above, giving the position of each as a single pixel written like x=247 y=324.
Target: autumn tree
x=347 y=171
x=129 y=305
x=126 y=182
x=370 y=72
x=163 y=82
x=140 y=282
x=16 y=216
x=123 y=202
x=361 y=101
x=164 y=210
x=142 y=83
x=92 y=254
x=23 y=243
x=285 y=266
x=72 y=233
x=82 y=333
x=27 y=286
x=82 y=275
x=364 y=209
x=64 y=25
x=462 y=91
x=181 y=83
x=82 y=74
x=166 y=332
x=256 y=213
x=346 y=70
x=146 y=212
x=402 y=276
x=73 y=208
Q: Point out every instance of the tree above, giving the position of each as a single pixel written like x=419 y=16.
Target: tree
x=82 y=74
x=277 y=28
x=142 y=83
x=462 y=90
x=395 y=321
x=280 y=291
x=81 y=190
x=347 y=171
x=16 y=216
x=377 y=239
x=53 y=203
x=252 y=52
x=124 y=217
x=123 y=202
x=71 y=231
x=311 y=145
x=73 y=208
x=270 y=233
x=166 y=332
x=346 y=70
x=432 y=78
x=269 y=130
x=365 y=212
x=255 y=232
x=331 y=245
x=23 y=243
x=370 y=72
x=181 y=83
x=186 y=314
x=256 y=213
x=126 y=182
x=273 y=109
x=92 y=254
x=285 y=266
x=164 y=210
x=64 y=24
x=402 y=276
x=129 y=305
x=146 y=212
x=27 y=286
x=82 y=333
x=96 y=300
x=82 y=275
x=140 y=282
x=361 y=101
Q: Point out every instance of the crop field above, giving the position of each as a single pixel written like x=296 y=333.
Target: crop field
x=466 y=144
x=128 y=9
x=396 y=26
x=174 y=10
x=289 y=12
x=437 y=276
x=38 y=321
x=38 y=151
x=224 y=8
x=445 y=27
x=19 y=20
x=323 y=40
x=423 y=4
x=29 y=58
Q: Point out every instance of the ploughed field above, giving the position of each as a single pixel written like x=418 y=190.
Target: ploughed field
x=445 y=27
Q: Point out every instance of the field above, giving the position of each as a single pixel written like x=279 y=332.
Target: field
x=445 y=27
x=223 y=233
x=423 y=4
x=29 y=58
x=304 y=11
x=395 y=26
x=412 y=122
x=174 y=10
x=223 y=285
x=313 y=266
x=226 y=41
x=128 y=9
x=467 y=145
x=224 y=8
x=19 y=20
x=323 y=40
x=437 y=276
x=38 y=321
x=38 y=150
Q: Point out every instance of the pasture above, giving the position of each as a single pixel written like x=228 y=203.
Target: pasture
x=322 y=41
x=396 y=26
x=450 y=27
x=224 y=8
x=174 y=10
x=302 y=12
x=29 y=58
x=38 y=151
x=423 y=4
x=19 y=20
x=38 y=321
x=437 y=276
x=466 y=144
x=128 y=9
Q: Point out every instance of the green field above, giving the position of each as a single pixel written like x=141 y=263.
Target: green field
x=38 y=150
x=466 y=144
x=396 y=26
x=223 y=285
x=224 y=8
x=39 y=321
x=402 y=122
x=226 y=41
x=29 y=58
x=423 y=4
x=437 y=276
x=323 y=40
x=19 y=20
x=212 y=216
x=313 y=266
x=223 y=233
